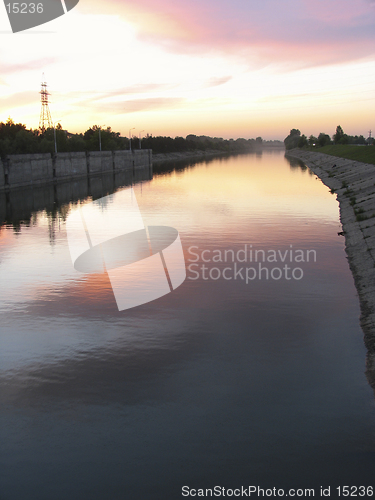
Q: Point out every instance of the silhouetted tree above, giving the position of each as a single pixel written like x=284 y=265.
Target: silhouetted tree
x=338 y=135
x=291 y=141
x=14 y=138
x=76 y=143
x=356 y=139
x=323 y=139
x=302 y=142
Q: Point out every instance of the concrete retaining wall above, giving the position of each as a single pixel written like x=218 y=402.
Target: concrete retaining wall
x=99 y=161
x=123 y=160
x=39 y=169
x=26 y=170
x=2 y=175
x=142 y=157
x=70 y=165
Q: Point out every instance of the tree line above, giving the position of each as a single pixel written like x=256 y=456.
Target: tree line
x=296 y=140
x=15 y=138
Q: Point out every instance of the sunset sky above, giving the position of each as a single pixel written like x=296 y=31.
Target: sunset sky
x=239 y=68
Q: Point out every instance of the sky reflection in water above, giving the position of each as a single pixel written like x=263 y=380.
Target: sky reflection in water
x=219 y=382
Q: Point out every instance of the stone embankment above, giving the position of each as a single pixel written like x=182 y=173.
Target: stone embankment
x=354 y=185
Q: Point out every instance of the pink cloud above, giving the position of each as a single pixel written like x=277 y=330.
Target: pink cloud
x=131 y=105
x=301 y=31
x=10 y=68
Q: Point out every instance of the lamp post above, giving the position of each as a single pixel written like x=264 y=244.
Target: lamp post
x=100 y=136
x=130 y=139
x=140 y=139
x=54 y=134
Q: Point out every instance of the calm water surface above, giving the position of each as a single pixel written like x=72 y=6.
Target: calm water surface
x=220 y=383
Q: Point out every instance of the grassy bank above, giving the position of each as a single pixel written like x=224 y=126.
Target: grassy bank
x=365 y=154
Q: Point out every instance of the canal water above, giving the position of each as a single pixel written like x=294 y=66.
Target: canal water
x=251 y=373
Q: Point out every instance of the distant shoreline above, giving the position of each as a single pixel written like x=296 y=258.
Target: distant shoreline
x=186 y=155
x=202 y=154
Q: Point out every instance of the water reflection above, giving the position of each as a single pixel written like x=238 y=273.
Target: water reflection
x=295 y=163
x=18 y=206
x=220 y=382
